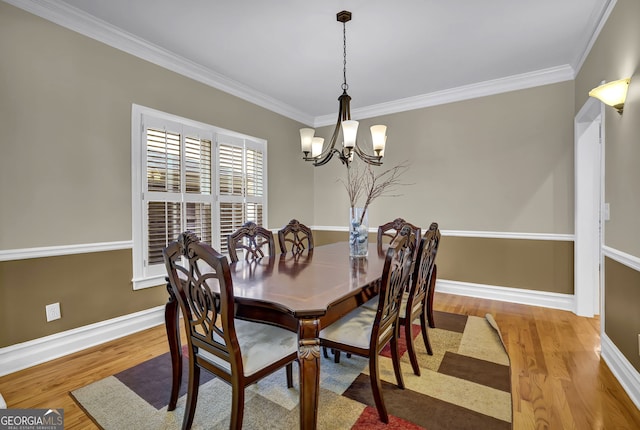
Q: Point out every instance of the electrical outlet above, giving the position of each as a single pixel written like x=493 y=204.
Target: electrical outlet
x=53 y=312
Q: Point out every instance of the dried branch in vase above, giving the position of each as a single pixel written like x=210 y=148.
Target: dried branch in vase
x=364 y=182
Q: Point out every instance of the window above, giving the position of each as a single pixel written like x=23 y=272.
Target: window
x=189 y=176
x=241 y=188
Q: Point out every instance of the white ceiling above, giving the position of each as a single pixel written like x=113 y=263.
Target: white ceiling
x=287 y=55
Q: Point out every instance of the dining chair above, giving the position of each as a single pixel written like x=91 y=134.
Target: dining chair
x=297 y=235
x=415 y=301
x=237 y=351
x=432 y=276
x=388 y=231
x=250 y=239
x=365 y=332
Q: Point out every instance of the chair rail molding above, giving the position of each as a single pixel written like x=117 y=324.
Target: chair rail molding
x=621 y=257
x=562 y=237
x=54 y=251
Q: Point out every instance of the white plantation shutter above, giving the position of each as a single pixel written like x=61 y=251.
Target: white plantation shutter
x=164 y=225
x=241 y=184
x=183 y=181
x=254 y=174
x=178 y=193
x=197 y=165
x=198 y=205
x=163 y=161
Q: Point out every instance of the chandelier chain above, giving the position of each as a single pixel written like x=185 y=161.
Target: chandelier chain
x=345 y=86
x=314 y=148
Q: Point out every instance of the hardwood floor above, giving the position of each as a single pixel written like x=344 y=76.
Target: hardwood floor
x=558 y=379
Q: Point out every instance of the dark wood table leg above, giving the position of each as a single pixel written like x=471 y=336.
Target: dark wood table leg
x=171 y=321
x=309 y=358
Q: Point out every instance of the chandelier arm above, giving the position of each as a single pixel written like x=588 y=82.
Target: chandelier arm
x=326 y=159
x=328 y=153
x=375 y=160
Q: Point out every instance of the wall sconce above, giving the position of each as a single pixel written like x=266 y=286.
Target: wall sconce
x=612 y=93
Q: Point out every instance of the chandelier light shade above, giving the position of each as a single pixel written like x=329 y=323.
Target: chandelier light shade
x=306 y=137
x=313 y=148
x=316 y=146
x=379 y=138
x=349 y=133
x=612 y=93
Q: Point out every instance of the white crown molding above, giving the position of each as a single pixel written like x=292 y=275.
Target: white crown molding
x=54 y=251
x=470 y=233
x=27 y=354
x=87 y=25
x=506 y=294
x=487 y=88
x=599 y=18
x=74 y=19
x=628 y=260
x=624 y=372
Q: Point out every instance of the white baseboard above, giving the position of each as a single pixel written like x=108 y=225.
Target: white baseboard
x=27 y=354
x=506 y=294
x=624 y=372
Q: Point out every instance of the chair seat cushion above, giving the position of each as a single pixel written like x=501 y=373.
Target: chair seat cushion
x=372 y=304
x=260 y=345
x=352 y=329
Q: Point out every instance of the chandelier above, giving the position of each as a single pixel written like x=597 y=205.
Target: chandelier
x=313 y=147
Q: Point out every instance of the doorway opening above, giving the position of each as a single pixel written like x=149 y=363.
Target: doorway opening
x=589 y=203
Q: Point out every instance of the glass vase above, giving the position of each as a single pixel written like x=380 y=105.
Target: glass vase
x=358 y=233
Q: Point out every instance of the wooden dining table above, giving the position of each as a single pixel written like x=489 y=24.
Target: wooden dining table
x=303 y=293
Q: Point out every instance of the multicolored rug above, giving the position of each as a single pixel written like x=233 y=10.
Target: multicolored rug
x=464 y=385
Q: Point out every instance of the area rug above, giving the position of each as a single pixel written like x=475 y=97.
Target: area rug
x=464 y=385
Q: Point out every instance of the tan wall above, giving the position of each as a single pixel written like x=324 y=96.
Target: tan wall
x=622 y=319
x=89 y=287
x=616 y=55
x=500 y=163
x=540 y=265
x=65 y=116
x=65 y=168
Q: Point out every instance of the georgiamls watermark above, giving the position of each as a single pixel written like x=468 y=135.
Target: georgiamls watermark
x=31 y=419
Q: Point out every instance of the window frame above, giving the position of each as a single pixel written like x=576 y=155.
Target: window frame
x=145 y=276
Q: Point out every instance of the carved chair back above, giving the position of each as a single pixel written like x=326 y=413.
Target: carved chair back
x=433 y=274
x=296 y=236
x=394 y=281
x=388 y=231
x=204 y=290
x=200 y=279
x=417 y=301
x=251 y=240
